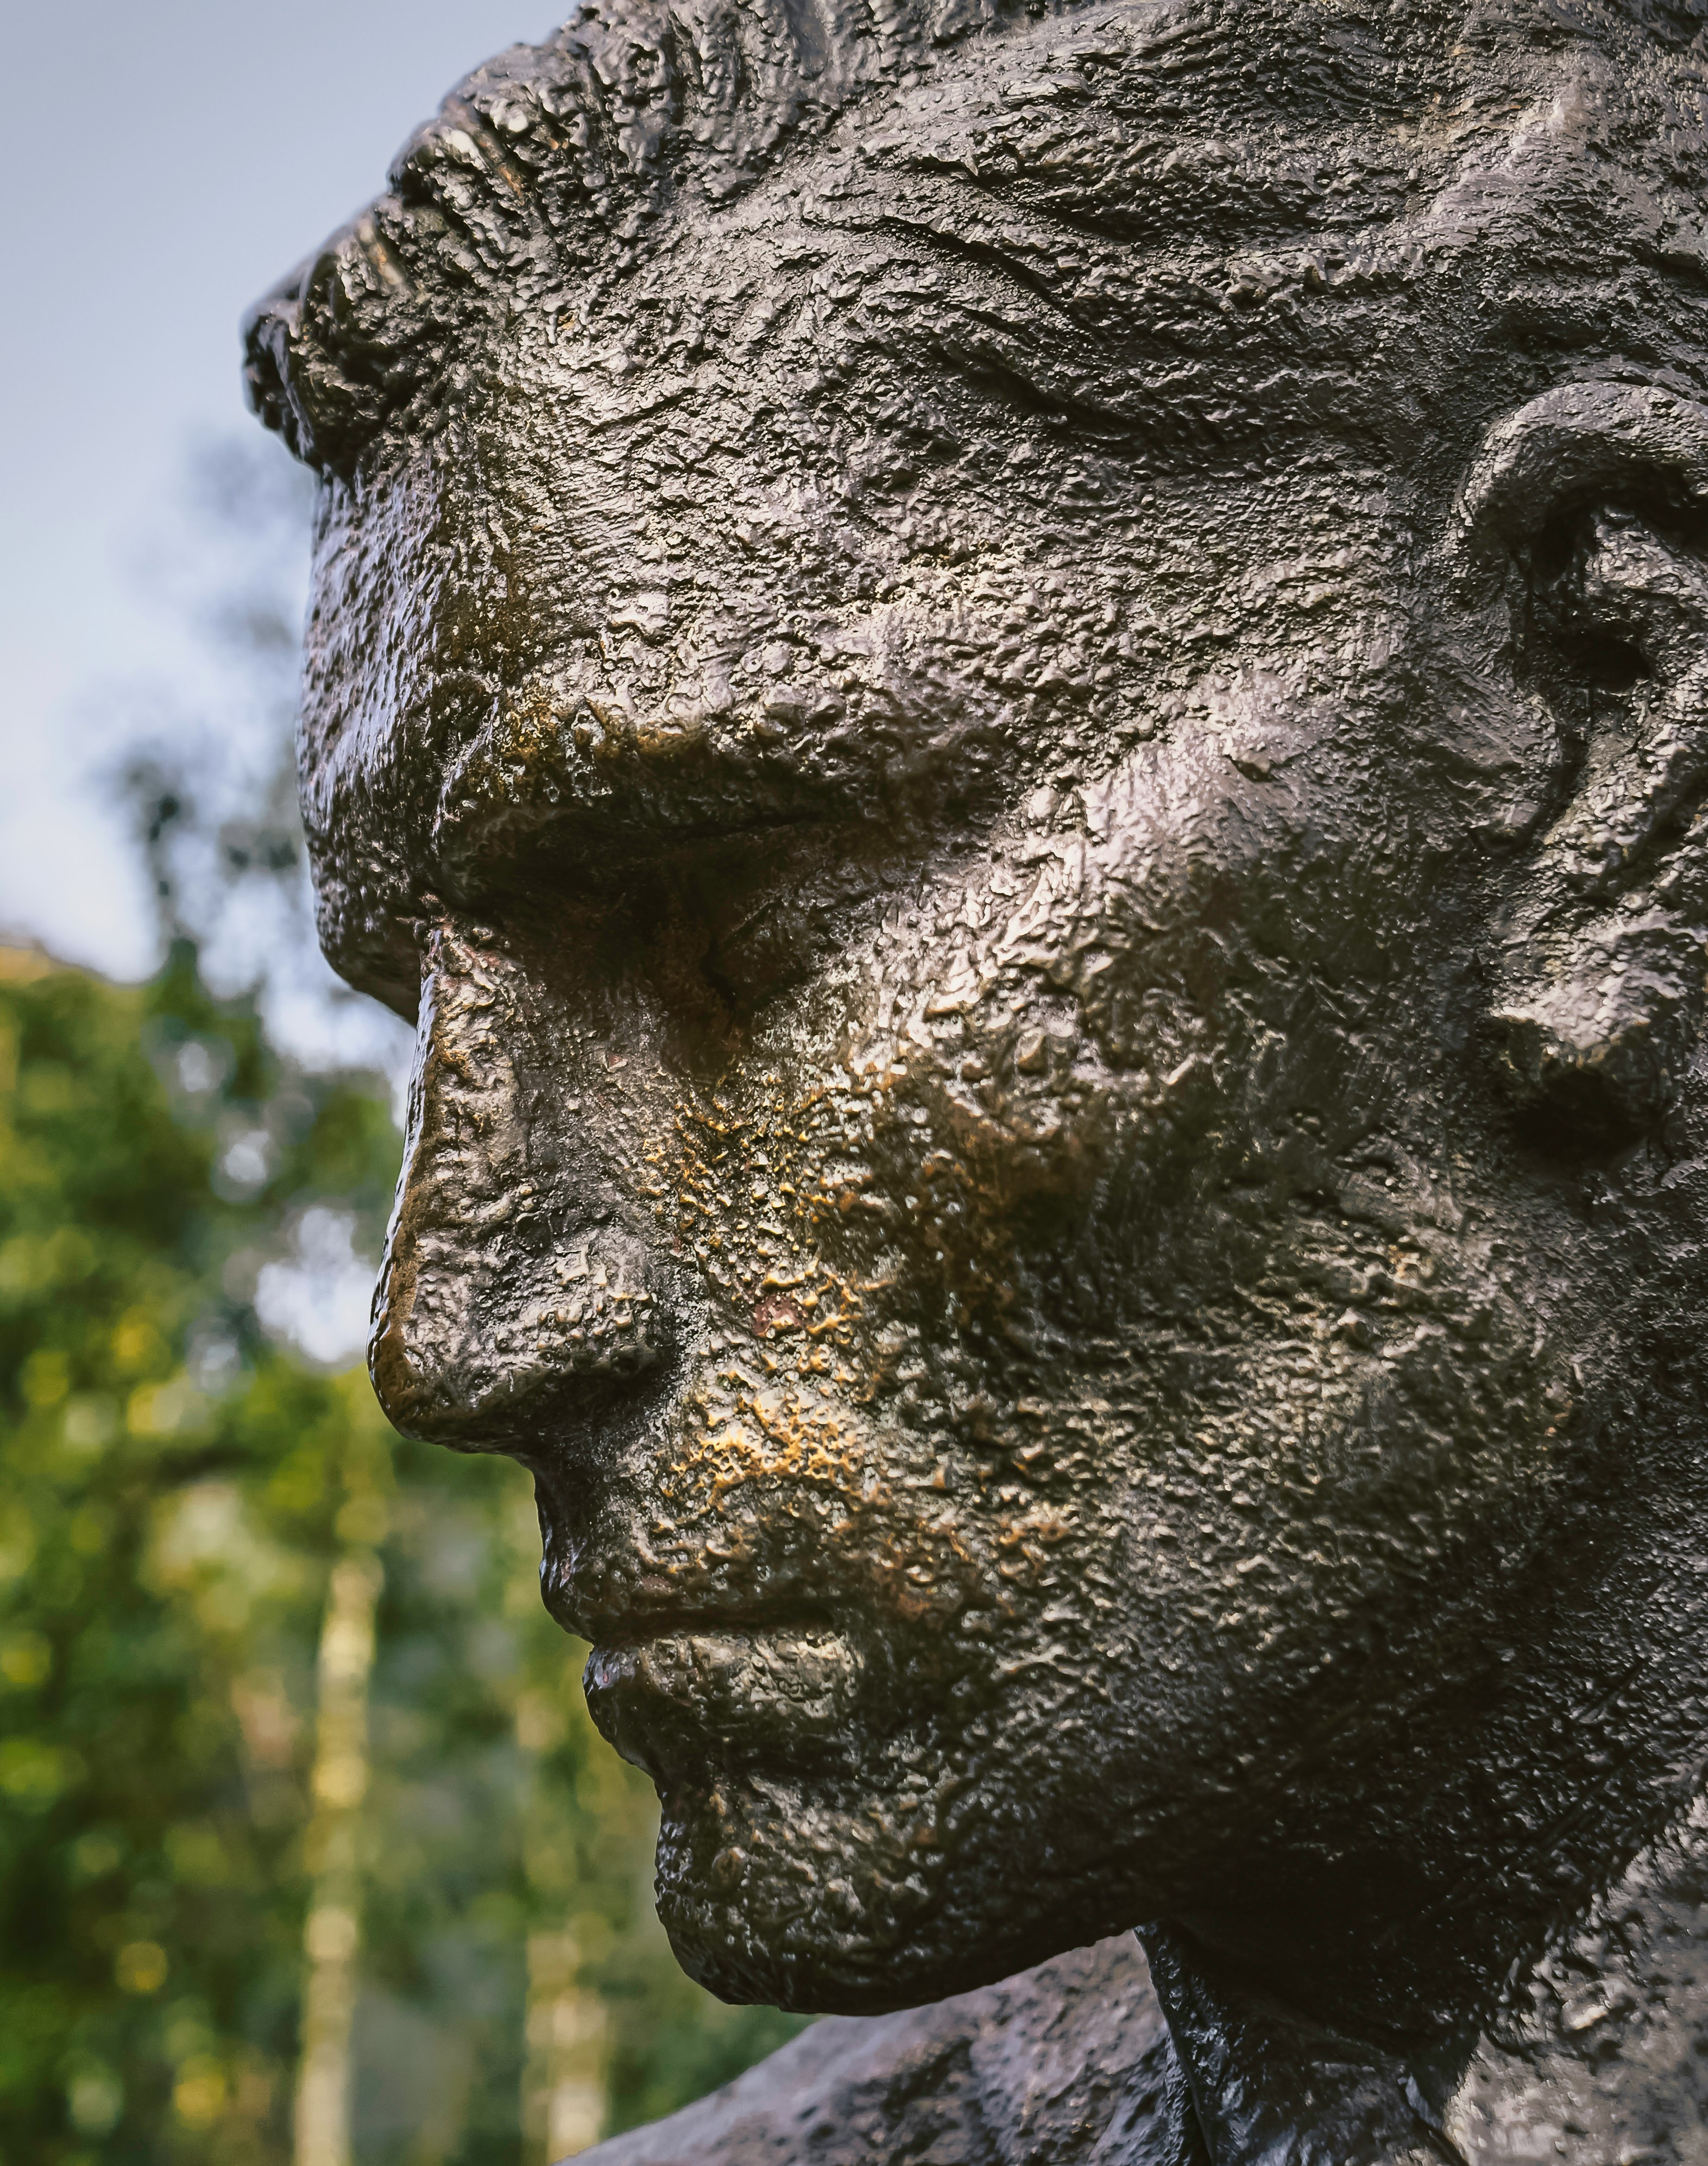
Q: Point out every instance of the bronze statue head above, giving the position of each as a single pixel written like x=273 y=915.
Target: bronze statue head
x=1025 y=692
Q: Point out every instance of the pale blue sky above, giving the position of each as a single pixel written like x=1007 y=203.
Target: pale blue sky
x=166 y=160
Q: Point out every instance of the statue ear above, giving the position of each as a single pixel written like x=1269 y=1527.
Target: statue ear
x=1592 y=502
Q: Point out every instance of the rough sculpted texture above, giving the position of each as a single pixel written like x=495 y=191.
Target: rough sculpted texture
x=1069 y=2061
x=1021 y=695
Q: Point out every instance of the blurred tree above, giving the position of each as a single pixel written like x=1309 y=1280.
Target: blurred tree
x=301 y=1814
x=161 y=1574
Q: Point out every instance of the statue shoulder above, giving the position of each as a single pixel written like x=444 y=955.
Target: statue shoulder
x=1069 y=2063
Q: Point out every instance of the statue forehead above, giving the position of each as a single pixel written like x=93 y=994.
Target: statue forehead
x=557 y=169
x=1164 y=164
x=959 y=198
x=1067 y=144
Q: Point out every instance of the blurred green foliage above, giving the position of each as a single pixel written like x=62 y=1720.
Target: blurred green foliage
x=175 y=1488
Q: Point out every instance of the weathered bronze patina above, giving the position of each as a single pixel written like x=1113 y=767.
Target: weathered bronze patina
x=1023 y=694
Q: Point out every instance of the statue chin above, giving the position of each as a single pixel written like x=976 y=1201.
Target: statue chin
x=810 y=1893
x=754 y=1916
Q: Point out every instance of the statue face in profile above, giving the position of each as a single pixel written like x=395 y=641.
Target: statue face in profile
x=1021 y=700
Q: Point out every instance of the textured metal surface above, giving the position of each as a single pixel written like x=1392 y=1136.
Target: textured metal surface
x=1021 y=695
x=1068 y=2062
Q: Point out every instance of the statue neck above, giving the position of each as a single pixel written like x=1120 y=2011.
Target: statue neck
x=1597 y=2050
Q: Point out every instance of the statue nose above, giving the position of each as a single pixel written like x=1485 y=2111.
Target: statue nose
x=511 y=1280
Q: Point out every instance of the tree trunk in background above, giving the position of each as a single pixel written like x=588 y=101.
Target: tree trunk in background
x=333 y=1934
x=564 y=2095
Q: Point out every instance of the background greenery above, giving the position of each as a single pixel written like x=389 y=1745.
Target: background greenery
x=180 y=1486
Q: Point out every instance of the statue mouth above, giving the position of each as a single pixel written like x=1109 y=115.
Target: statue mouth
x=673 y=1692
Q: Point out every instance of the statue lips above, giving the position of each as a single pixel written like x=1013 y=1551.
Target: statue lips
x=673 y=1693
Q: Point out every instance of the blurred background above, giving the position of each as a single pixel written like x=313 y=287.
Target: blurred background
x=308 y=1856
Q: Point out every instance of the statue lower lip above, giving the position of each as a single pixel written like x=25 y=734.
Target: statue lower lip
x=682 y=1691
